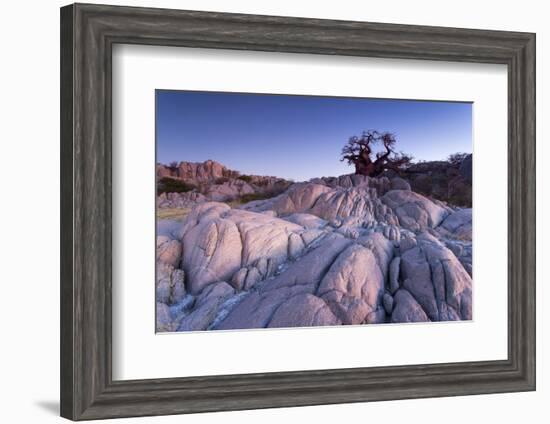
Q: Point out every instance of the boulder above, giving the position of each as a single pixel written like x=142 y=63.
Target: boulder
x=306 y=220
x=212 y=252
x=299 y=277
x=300 y=197
x=414 y=211
x=163 y=318
x=458 y=224
x=388 y=302
x=398 y=183
x=262 y=236
x=437 y=280
x=336 y=275
x=303 y=310
x=345 y=250
x=362 y=202
x=407 y=309
x=180 y=200
x=228 y=190
x=168 y=251
x=170 y=287
x=380 y=184
x=394 y=274
x=354 y=285
x=206 y=307
x=219 y=241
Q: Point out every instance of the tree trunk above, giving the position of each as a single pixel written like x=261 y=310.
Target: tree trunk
x=362 y=168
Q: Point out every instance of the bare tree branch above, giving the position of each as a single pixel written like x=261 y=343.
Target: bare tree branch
x=358 y=151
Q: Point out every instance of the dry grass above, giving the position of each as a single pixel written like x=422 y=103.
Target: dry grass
x=177 y=214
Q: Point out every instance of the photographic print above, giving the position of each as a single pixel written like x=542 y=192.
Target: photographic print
x=280 y=211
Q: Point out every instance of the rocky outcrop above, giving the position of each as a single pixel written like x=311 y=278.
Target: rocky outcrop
x=228 y=190
x=180 y=200
x=437 y=280
x=168 y=251
x=458 y=225
x=194 y=171
x=170 y=287
x=345 y=251
x=185 y=184
x=222 y=240
x=299 y=198
x=414 y=211
x=354 y=285
x=206 y=307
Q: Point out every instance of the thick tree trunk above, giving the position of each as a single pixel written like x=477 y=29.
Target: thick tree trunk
x=362 y=168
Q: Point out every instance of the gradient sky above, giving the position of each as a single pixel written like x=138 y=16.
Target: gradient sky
x=300 y=137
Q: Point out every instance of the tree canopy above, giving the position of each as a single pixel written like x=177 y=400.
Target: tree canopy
x=374 y=152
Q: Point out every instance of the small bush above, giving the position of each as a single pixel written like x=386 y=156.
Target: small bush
x=245 y=178
x=171 y=185
x=221 y=180
x=245 y=198
x=457 y=158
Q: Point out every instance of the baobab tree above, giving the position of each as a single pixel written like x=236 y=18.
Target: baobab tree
x=369 y=159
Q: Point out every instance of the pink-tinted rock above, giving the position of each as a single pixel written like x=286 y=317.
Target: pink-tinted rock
x=170 y=287
x=407 y=309
x=354 y=285
x=303 y=310
x=168 y=251
x=437 y=280
x=414 y=211
x=206 y=307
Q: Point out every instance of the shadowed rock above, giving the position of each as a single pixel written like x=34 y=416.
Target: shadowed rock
x=354 y=285
x=206 y=307
x=168 y=251
x=170 y=284
x=180 y=200
x=407 y=309
x=458 y=225
x=437 y=280
x=303 y=310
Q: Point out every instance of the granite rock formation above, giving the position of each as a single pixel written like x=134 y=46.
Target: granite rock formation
x=333 y=251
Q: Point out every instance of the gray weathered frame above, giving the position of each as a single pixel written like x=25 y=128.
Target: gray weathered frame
x=88 y=33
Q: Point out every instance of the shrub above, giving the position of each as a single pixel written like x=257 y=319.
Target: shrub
x=171 y=185
x=221 y=180
x=245 y=198
x=263 y=183
x=457 y=158
x=245 y=178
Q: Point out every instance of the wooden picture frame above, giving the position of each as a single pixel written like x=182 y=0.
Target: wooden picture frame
x=88 y=33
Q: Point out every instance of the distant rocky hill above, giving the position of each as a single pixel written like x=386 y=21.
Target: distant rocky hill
x=207 y=171
x=184 y=184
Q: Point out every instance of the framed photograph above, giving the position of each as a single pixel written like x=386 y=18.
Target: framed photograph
x=264 y=211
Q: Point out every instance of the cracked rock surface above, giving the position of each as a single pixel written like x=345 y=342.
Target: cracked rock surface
x=345 y=250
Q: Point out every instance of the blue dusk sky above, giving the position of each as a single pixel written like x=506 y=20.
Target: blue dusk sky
x=300 y=137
